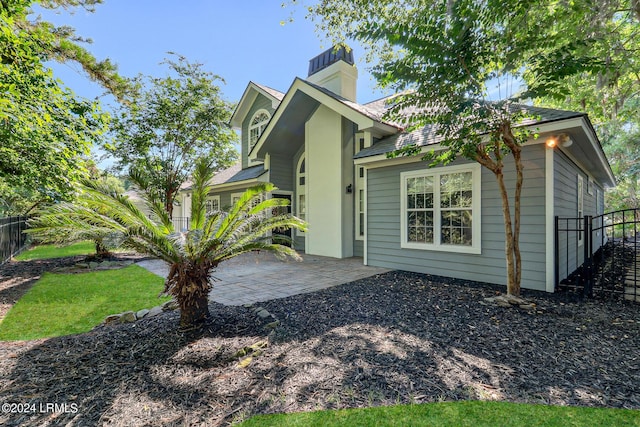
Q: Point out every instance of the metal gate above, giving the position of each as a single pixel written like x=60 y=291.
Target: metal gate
x=599 y=255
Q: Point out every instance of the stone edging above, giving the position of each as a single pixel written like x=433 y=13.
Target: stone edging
x=131 y=316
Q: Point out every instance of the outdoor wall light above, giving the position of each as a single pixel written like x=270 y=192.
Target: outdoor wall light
x=562 y=140
x=349 y=189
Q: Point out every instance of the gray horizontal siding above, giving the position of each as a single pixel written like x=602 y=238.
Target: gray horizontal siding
x=358 y=248
x=565 y=187
x=383 y=232
x=281 y=170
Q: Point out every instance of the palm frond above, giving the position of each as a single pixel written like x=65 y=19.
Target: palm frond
x=201 y=177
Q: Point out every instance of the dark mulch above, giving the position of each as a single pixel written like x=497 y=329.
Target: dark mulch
x=392 y=338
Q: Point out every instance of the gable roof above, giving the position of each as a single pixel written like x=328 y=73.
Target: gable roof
x=222 y=176
x=274 y=93
x=428 y=135
x=374 y=110
x=248 y=96
x=363 y=116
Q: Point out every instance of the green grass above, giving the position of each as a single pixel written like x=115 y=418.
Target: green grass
x=468 y=413
x=63 y=304
x=52 y=251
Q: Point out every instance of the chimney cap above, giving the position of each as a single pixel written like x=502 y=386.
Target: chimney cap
x=330 y=56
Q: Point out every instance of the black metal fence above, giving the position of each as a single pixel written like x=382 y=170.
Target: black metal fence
x=180 y=223
x=12 y=236
x=599 y=255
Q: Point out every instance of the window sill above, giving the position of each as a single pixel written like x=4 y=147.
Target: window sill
x=476 y=250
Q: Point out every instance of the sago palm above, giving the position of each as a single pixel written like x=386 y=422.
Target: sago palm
x=192 y=255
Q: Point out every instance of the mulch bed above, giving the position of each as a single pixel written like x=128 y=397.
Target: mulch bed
x=393 y=338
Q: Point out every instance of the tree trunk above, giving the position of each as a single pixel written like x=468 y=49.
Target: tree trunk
x=510 y=141
x=188 y=283
x=101 y=249
x=194 y=310
x=513 y=287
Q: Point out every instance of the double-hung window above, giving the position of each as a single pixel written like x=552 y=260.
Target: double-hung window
x=441 y=209
x=212 y=204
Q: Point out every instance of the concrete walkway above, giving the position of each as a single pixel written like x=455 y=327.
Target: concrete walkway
x=255 y=277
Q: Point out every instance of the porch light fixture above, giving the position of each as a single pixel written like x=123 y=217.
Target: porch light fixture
x=349 y=189
x=562 y=140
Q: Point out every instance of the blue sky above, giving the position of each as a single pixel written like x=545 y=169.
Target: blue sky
x=239 y=40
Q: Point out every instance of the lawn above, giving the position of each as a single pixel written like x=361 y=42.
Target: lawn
x=53 y=251
x=63 y=304
x=467 y=413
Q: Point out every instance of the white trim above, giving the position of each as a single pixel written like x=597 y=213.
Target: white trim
x=230 y=186
x=359 y=186
x=381 y=160
x=549 y=200
x=246 y=101
x=360 y=119
x=212 y=198
x=593 y=139
x=476 y=247
x=366 y=221
x=261 y=125
x=302 y=158
x=236 y=195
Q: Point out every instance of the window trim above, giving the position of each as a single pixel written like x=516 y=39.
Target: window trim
x=261 y=126
x=212 y=198
x=299 y=192
x=476 y=208
x=360 y=204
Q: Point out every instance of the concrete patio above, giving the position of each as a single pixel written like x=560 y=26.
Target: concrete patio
x=255 y=277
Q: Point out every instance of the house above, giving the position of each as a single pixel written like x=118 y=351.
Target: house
x=327 y=154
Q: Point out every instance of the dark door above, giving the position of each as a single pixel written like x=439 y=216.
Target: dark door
x=280 y=210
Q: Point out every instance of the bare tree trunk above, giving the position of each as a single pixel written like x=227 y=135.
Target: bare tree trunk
x=516 y=151
x=513 y=287
x=168 y=204
x=194 y=309
x=504 y=135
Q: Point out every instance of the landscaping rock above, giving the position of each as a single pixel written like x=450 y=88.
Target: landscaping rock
x=154 y=311
x=170 y=305
x=272 y=325
x=111 y=319
x=128 y=317
x=140 y=314
x=263 y=314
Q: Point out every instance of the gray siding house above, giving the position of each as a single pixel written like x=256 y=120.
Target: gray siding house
x=327 y=154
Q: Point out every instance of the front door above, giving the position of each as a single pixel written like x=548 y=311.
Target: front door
x=282 y=210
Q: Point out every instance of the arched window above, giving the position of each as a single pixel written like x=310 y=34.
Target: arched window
x=256 y=126
x=301 y=177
